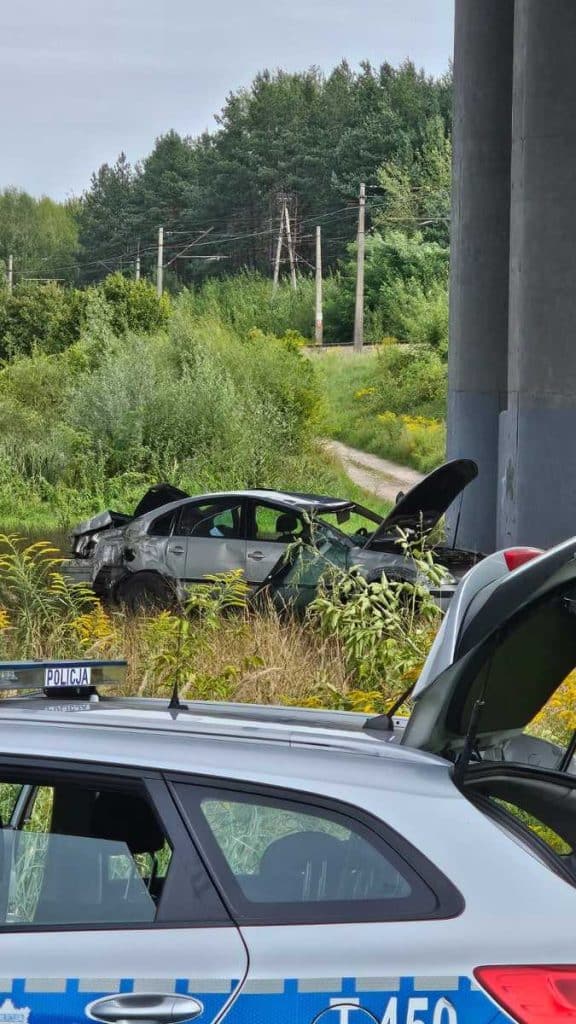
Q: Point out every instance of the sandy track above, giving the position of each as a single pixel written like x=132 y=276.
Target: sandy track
x=378 y=476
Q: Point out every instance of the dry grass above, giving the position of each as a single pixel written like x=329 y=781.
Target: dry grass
x=249 y=658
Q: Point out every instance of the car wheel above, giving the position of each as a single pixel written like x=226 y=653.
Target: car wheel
x=145 y=592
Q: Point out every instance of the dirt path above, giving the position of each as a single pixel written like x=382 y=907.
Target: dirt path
x=373 y=474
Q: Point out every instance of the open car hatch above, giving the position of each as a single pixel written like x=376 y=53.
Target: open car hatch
x=503 y=662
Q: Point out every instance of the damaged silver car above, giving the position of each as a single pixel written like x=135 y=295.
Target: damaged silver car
x=173 y=540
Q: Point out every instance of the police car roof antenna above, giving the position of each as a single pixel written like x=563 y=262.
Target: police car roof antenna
x=175 y=702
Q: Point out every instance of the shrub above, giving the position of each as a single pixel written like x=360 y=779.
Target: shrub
x=199 y=405
x=384 y=628
x=42 y=317
x=134 y=305
x=409 y=380
x=246 y=302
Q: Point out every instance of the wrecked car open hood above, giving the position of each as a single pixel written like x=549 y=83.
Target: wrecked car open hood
x=424 y=504
x=508 y=659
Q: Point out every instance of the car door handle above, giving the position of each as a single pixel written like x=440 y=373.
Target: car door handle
x=176 y=549
x=256 y=555
x=145 y=1008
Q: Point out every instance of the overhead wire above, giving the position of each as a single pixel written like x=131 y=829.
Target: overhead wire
x=150 y=247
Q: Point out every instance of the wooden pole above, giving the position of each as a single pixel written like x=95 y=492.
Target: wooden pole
x=290 y=248
x=319 y=327
x=160 y=267
x=279 y=249
x=359 y=311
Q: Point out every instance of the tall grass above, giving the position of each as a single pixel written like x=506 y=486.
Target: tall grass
x=246 y=302
x=391 y=402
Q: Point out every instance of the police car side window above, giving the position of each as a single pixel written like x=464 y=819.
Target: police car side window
x=79 y=855
x=280 y=860
x=279 y=853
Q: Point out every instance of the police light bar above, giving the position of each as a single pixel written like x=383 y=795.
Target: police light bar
x=54 y=676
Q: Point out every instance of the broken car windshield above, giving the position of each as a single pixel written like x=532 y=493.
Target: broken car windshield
x=354 y=522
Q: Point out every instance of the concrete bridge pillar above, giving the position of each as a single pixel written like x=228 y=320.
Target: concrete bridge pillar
x=478 y=354
x=537 y=501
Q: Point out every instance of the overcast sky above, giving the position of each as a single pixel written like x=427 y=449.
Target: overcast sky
x=82 y=80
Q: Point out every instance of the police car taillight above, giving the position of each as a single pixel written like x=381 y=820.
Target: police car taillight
x=532 y=995
x=515 y=557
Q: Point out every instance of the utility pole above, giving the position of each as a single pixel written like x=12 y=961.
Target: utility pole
x=10 y=274
x=319 y=330
x=359 y=311
x=279 y=249
x=137 y=267
x=290 y=248
x=160 y=265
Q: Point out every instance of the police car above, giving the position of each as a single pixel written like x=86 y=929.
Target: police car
x=165 y=862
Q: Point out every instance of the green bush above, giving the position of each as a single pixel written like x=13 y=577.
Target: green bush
x=409 y=380
x=41 y=317
x=196 y=404
x=405 y=291
x=246 y=302
x=390 y=401
x=134 y=305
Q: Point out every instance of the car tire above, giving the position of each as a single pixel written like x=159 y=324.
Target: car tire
x=146 y=592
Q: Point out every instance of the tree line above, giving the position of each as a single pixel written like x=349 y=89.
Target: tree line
x=309 y=136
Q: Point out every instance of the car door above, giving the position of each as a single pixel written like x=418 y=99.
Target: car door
x=159 y=549
x=270 y=529
x=212 y=534
x=344 y=921
x=106 y=912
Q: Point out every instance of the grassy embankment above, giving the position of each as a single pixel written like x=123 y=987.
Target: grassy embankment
x=389 y=401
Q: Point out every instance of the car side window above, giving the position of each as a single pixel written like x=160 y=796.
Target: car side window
x=80 y=855
x=213 y=519
x=164 y=525
x=276 y=525
x=281 y=860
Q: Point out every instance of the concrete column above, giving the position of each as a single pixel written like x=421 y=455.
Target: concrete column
x=477 y=360
x=538 y=431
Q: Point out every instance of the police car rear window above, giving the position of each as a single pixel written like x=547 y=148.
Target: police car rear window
x=281 y=860
x=74 y=855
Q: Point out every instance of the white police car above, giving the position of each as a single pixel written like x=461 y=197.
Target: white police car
x=161 y=863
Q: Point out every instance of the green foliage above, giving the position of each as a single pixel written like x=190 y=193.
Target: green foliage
x=134 y=305
x=406 y=291
x=408 y=380
x=39 y=316
x=417 y=186
x=246 y=302
x=92 y=426
x=105 y=216
x=35 y=602
x=391 y=402
x=41 y=234
x=384 y=627
x=315 y=136
x=47 y=318
x=417 y=314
